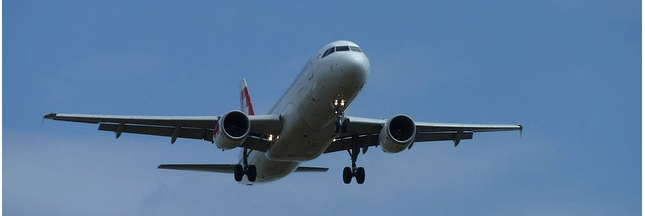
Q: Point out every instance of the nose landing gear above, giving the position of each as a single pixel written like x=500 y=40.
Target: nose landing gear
x=249 y=170
x=342 y=121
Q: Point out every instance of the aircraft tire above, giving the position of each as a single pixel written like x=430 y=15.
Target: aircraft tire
x=347 y=175
x=360 y=175
x=239 y=172
x=252 y=173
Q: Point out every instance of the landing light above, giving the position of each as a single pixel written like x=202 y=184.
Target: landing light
x=342 y=102
x=270 y=137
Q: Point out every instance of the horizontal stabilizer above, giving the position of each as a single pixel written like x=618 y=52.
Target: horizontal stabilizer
x=218 y=168
x=225 y=168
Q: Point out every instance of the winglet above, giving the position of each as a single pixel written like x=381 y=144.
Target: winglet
x=46 y=116
x=521 y=128
x=245 y=99
x=49 y=116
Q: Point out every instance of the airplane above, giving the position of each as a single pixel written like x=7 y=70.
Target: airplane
x=309 y=120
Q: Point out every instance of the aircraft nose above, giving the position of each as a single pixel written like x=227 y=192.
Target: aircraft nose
x=355 y=68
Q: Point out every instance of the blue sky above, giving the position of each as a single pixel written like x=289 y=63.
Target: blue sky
x=569 y=71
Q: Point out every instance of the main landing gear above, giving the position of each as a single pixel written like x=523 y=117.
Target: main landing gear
x=249 y=170
x=358 y=172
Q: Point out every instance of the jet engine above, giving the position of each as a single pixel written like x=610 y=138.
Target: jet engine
x=397 y=134
x=231 y=130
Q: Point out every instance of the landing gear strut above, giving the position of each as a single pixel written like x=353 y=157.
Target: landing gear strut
x=358 y=172
x=249 y=170
x=342 y=121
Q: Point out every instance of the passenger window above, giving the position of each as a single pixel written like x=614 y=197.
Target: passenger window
x=355 y=49
x=342 y=48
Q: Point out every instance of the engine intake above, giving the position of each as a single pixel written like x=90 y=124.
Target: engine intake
x=231 y=130
x=397 y=134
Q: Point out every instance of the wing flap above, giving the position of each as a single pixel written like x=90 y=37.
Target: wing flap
x=348 y=142
x=428 y=137
x=191 y=133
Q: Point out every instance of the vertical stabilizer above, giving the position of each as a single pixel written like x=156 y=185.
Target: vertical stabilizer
x=245 y=99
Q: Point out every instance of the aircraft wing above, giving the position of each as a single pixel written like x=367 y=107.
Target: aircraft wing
x=193 y=127
x=364 y=132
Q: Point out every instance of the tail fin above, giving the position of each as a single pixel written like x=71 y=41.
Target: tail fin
x=245 y=99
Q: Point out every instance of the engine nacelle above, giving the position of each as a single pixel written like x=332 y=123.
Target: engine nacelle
x=397 y=134
x=231 y=130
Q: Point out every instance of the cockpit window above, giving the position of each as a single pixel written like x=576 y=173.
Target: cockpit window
x=342 y=48
x=325 y=54
x=329 y=51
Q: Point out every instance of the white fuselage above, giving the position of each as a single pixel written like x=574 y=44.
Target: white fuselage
x=307 y=110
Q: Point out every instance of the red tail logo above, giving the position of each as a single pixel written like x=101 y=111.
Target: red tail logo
x=245 y=99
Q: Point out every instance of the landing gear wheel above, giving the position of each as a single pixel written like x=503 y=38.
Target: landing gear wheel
x=239 y=172
x=360 y=175
x=354 y=171
x=252 y=173
x=347 y=175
